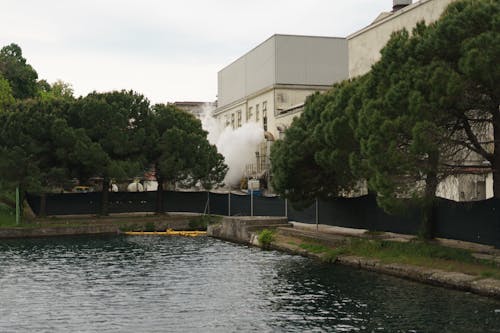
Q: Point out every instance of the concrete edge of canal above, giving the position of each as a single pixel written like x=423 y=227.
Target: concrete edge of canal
x=245 y=230
x=93 y=225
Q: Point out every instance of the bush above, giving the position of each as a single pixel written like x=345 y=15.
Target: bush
x=266 y=237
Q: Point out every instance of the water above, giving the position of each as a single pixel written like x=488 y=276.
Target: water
x=173 y=284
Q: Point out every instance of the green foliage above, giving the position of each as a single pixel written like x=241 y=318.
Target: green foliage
x=58 y=90
x=180 y=150
x=266 y=237
x=38 y=149
x=6 y=98
x=7 y=216
x=299 y=161
x=424 y=107
x=20 y=75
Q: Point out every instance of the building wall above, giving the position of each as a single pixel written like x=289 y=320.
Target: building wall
x=270 y=102
x=308 y=60
x=465 y=187
x=364 y=46
x=284 y=59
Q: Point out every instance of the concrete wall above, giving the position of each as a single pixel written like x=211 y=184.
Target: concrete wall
x=308 y=60
x=364 y=46
x=284 y=59
x=242 y=229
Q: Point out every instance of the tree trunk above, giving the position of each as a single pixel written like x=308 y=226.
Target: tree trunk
x=160 y=209
x=105 y=197
x=429 y=202
x=495 y=163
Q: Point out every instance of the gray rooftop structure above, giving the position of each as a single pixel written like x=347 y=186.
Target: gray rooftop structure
x=284 y=60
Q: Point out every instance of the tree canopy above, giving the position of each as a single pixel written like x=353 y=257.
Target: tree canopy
x=47 y=136
x=180 y=152
x=20 y=75
x=428 y=109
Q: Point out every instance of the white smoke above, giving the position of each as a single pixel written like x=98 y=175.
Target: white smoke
x=238 y=146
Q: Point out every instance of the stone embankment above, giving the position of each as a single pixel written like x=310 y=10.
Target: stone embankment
x=245 y=230
x=92 y=225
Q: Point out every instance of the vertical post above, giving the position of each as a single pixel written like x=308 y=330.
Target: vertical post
x=229 y=203
x=317 y=216
x=251 y=202
x=286 y=207
x=18 y=207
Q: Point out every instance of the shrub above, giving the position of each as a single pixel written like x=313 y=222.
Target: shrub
x=266 y=237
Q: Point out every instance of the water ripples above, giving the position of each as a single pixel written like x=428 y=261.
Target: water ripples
x=168 y=284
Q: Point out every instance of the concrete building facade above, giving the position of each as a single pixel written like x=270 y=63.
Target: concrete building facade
x=263 y=85
x=364 y=45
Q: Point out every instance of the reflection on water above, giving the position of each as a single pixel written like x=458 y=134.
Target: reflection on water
x=165 y=284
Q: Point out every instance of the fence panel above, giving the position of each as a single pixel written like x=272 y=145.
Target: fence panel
x=468 y=221
x=128 y=202
x=477 y=222
x=190 y=202
x=268 y=206
x=219 y=204
x=67 y=203
x=306 y=215
x=344 y=212
x=240 y=205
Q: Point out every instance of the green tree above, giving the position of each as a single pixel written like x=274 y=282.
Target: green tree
x=313 y=161
x=296 y=174
x=38 y=151
x=21 y=76
x=338 y=149
x=467 y=40
x=56 y=90
x=180 y=152
x=424 y=113
x=6 y=98
x=117 y=121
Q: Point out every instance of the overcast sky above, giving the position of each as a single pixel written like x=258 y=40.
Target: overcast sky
x=167 y=50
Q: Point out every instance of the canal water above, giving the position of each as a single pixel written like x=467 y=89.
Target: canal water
x=174 y=284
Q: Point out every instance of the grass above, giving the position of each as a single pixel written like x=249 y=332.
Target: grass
x=7 y=219
x=7 y=216
x=327 y=253
x=415 y=253
x=424 y=254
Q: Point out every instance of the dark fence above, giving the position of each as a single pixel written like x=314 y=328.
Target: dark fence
x=471 y=221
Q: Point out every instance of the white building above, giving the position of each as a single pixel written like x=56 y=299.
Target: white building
x=268 y=83
x=365 y=45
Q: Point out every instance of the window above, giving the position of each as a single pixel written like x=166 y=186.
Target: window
x=238 y=118
x=232 y=120
x=264 y=115
x=257 y=115
x=226 y=118
x=249 y=113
